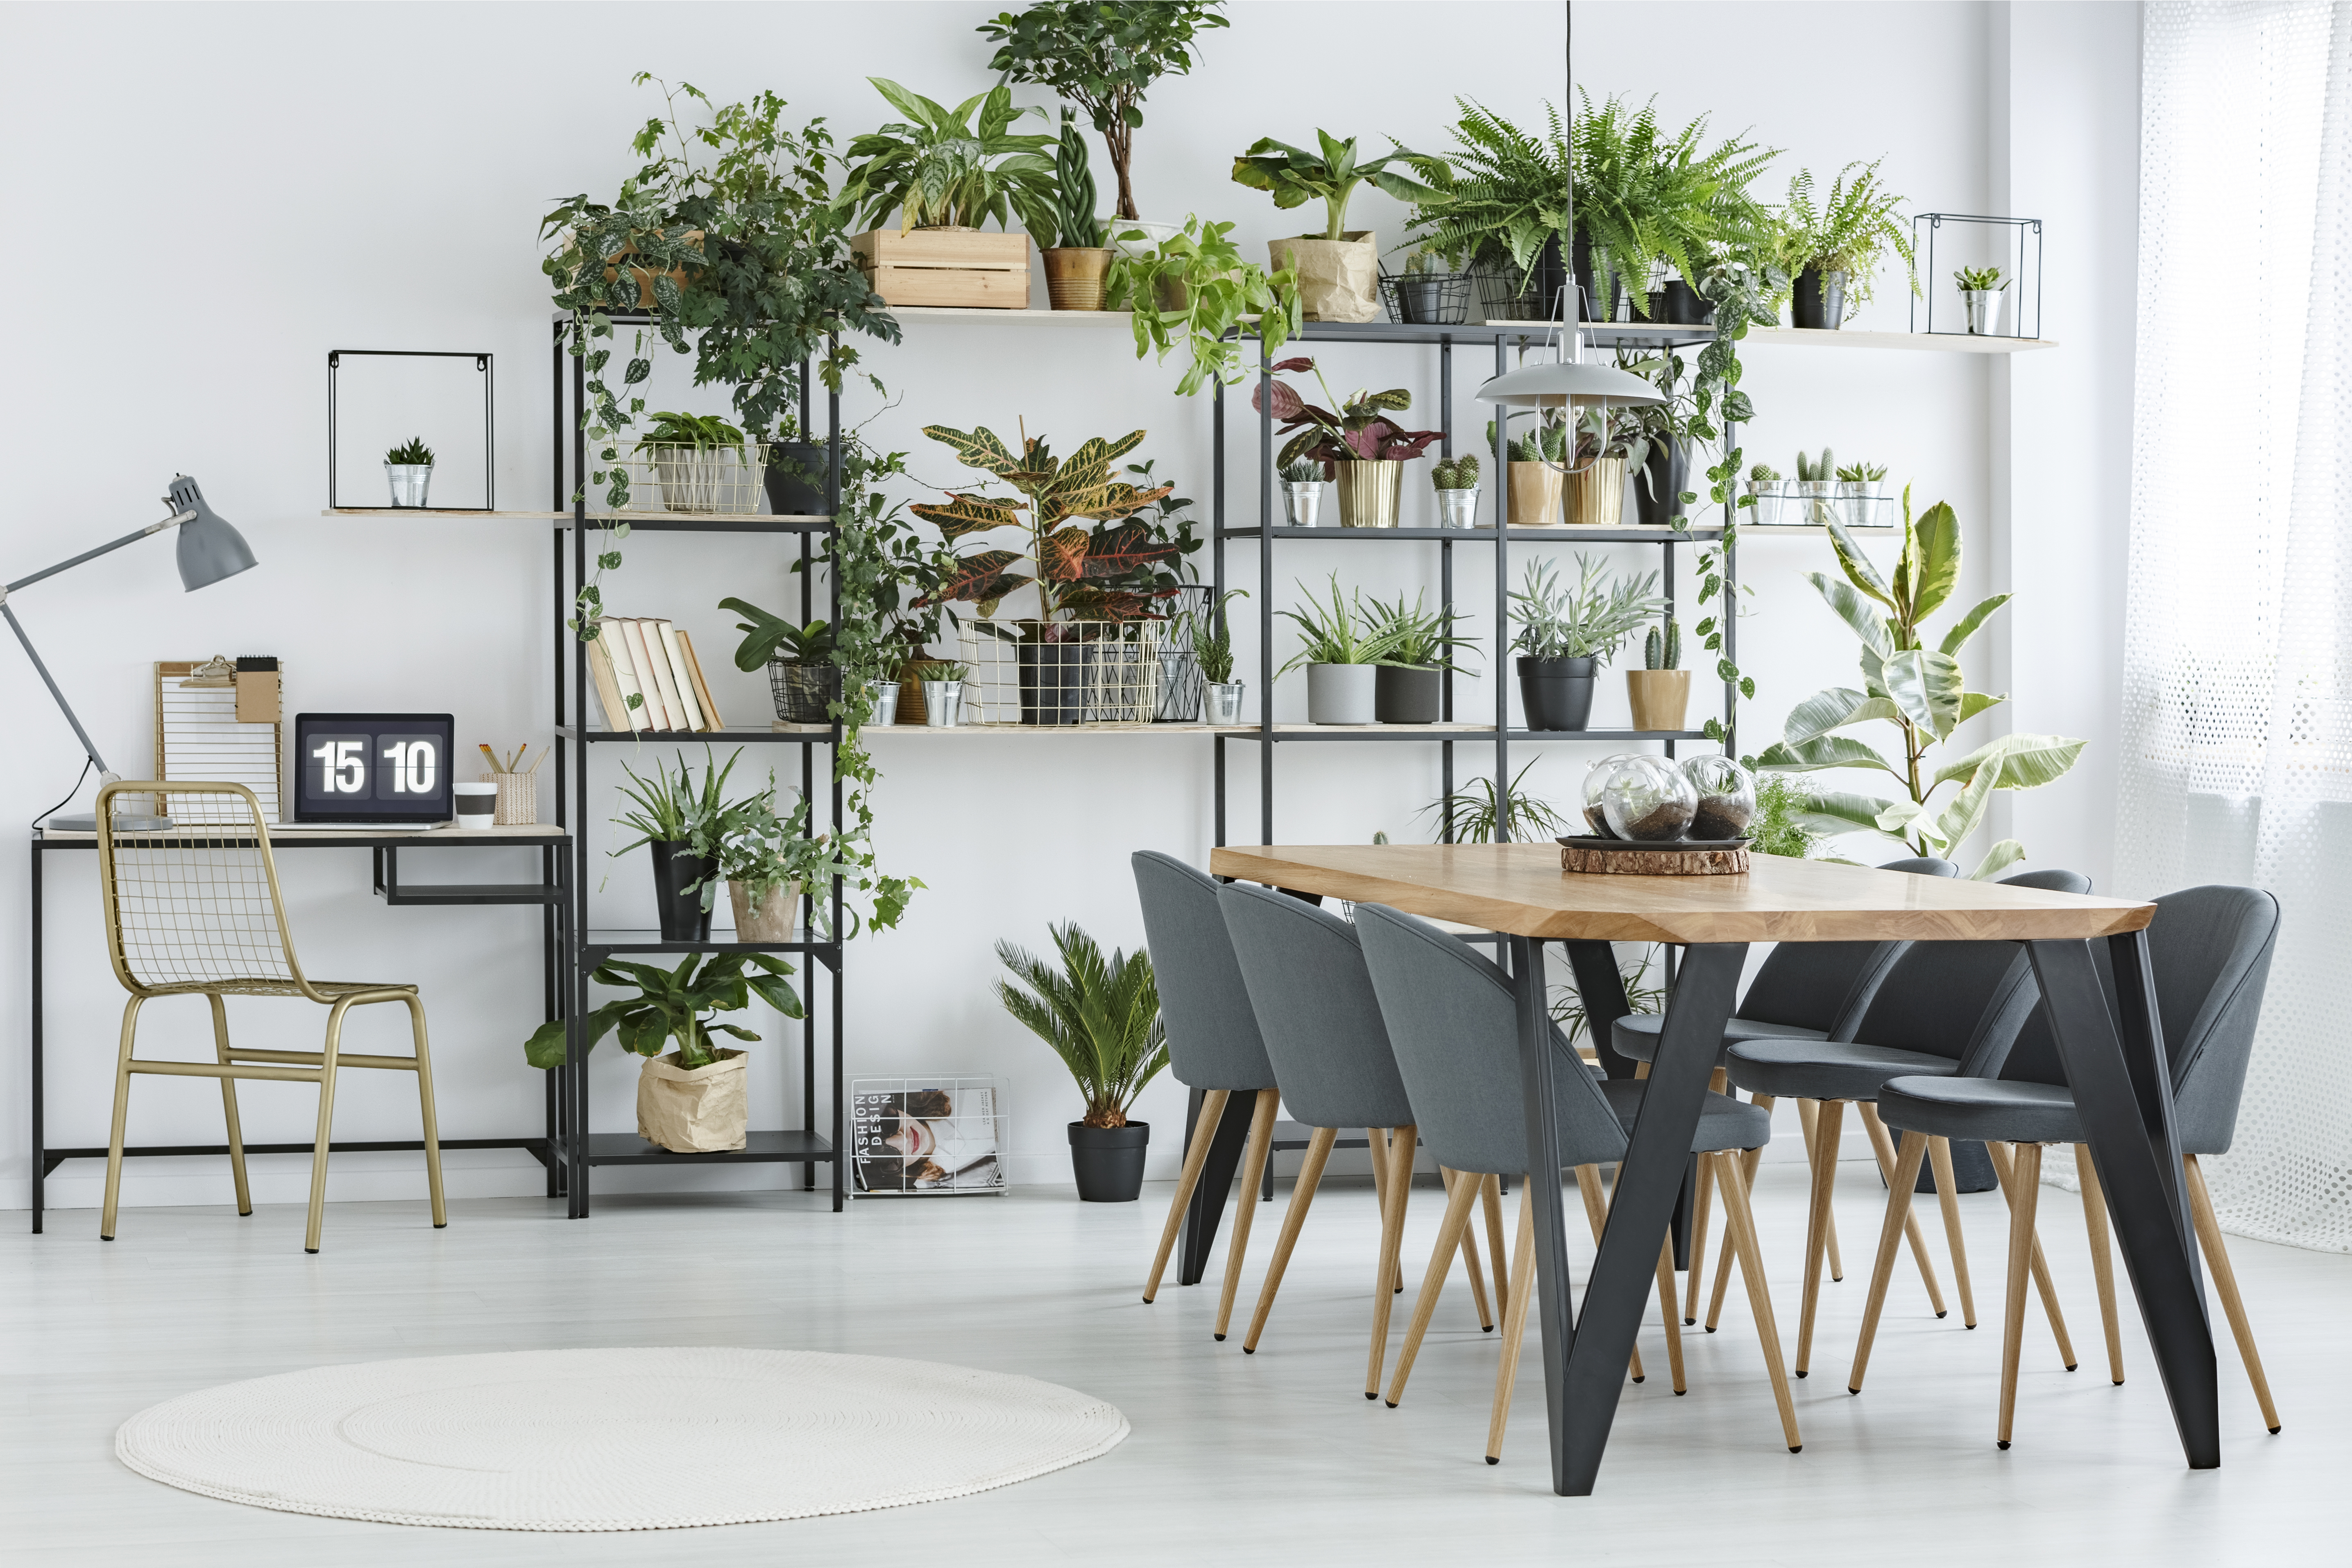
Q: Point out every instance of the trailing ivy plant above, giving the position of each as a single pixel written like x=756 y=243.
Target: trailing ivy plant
x=1195 y=287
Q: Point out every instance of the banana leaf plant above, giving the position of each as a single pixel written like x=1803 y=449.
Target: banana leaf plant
x=1919 y=690
x=674 y=1007
x=1362 y=431
x=1296 y=176
x=1102 y=573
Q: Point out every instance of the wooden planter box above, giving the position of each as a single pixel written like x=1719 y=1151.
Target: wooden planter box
x=946 y=267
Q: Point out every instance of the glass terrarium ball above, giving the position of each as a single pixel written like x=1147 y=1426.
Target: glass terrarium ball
x=1726 y=797
x=1595 y=822
x=1647 y=800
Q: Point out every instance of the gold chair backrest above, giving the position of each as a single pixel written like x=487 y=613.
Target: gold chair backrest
x=196 y=904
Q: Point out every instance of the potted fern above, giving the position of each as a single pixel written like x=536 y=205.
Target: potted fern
x=1076 y=264
x=1833 y=248
x=1659 y=692
x=408 y=470
x=1101 y=1017
x=1342 y=648
x=1565 y=631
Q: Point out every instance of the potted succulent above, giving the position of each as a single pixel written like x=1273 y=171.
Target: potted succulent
x=1565 y=633
x=1409 y=681
x=1455 y=479
x=802 y=677
x=1213 y=647
x=1980 y=292
x=1764 y=492
x=1302 y=492
x=1104 y=56
x=1367 y=450
x=691 y=1099
x=947 y=172
x=703 y=462
x=1101 y=1017
x=1816 y=484
x=1659 y=692
x=1859 y=495
x=1342 y=649
x=942 y=680
x=1191 y=286
x=1079 y=259
x=684 y=824
x=1831 y=250
x=1339 y=269
x=408 y=470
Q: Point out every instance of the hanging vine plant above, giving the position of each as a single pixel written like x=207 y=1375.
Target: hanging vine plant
x=1743 y=296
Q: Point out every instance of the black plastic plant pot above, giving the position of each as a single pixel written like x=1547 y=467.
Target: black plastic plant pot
x=1054 y=681
x=1109 y=1161
x=1817 y=300
x=1679 y=305
x=804 y=694
x=789 y=494
x=679 y=875
x=1433 y=300
x=1557 y=693
x=1403 y=696
x=1658 y=488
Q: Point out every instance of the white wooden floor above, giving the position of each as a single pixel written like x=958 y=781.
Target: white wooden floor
x=1271 y=1458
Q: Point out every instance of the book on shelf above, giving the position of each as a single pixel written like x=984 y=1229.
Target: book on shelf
x=674 y=706
x=651 y=659
x=618 y=714
x=701 y=687
x=680 y=678
x=657 y=715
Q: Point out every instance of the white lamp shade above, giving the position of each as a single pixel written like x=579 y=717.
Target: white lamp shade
x=1561 y=382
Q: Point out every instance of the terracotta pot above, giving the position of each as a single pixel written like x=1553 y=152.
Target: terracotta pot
x=773 y=920
x=1660 y=697
x=1074 y=277
x=1535 y=496
x=1596 y=494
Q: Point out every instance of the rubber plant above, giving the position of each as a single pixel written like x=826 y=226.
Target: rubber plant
x=1919 y=690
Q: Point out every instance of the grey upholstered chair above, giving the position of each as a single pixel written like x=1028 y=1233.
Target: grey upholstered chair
x=1455 y=1029
x=1802 y=990
x=2210 y=951
x=1305 y=975
x=1946 y=1008
x=1213 y=1036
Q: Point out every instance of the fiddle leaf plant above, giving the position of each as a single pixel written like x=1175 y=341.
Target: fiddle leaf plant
x=1920 y=689
x=679 y=1007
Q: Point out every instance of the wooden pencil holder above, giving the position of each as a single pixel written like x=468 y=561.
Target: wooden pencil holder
x=518 y=804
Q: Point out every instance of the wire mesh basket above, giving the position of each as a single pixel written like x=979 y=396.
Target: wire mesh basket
x=1090 y=672
x=666 y=475
x=939 y=1135
x=1427 y=298
x=804 y=694
x=1181 y=687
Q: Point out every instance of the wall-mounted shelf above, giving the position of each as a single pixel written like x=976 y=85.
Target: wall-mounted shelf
x=1632 y=535
x=647 y=521
x=1931 y=342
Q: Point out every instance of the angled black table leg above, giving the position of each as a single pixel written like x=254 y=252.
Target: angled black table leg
x=1208 y=1205
x=1600 y=985
x=1584 y=1361
x=2122 y=1081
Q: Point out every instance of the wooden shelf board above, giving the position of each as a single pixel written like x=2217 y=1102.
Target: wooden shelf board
x=638 y=519
x=1932 y=342
x=979 y=313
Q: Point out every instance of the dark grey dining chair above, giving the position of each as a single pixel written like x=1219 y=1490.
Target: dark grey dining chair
x=1304 y=972
x=2210 y=953
x=1213 y=1036
x=1802 y=990
x=1946 y=1009
x=1454 y=1029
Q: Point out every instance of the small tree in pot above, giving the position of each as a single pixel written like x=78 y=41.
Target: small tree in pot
x=1101 y=1017
x=1360 y=445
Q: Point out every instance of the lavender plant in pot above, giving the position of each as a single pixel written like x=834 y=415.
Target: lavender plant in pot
x=1565 y=631
x=1101 y=1015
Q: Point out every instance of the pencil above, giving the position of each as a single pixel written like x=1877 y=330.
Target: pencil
x=488 y=755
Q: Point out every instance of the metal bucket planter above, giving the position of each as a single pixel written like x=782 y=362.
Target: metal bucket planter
x=1302 y=501
x=1053 y=679
x=1458 y=508
x=1536 y=490
x=1224 y=700
x=1368 y=492
x=1983 y=307
x=409 y=482
x=804 y=694
x=942 y=703
x=1818 y=301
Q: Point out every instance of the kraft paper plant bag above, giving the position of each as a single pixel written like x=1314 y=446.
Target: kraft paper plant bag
x=694 y=1112
x=1338 y=279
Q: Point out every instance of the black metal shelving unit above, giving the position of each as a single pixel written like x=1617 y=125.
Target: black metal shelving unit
x=1499 y=732
x=578 y=1149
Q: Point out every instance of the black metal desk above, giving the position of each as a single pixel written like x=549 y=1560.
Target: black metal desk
x=551 y=893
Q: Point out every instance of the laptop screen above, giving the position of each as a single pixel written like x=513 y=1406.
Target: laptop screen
x=373 y=767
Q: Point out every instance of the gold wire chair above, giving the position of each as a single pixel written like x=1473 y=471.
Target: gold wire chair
x=196 y=911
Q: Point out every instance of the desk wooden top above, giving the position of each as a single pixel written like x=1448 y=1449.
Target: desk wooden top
x=1520 y=888
x=364 y=836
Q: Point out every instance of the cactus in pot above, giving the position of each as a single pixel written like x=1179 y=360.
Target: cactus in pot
x=1659 y=692
x=1455 y=479
x=1816 y=480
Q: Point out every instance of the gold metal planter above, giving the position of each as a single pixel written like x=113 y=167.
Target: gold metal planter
x=1368 y=492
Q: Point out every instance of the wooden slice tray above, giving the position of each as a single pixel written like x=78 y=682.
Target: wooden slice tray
x=1684 y=857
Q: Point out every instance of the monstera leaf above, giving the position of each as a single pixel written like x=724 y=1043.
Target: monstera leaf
x=968 y=514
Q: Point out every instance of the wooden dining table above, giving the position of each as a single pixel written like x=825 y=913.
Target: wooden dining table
x=2113 y=1058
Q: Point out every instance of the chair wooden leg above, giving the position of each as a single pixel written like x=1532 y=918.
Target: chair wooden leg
x=1827 y=1122
x=2025 y=1191
x=1515 y=1321
x=1739 y=1223
x=228 y=1106
x=1883 y=1149
x=1204 y=1133
x=1469 y=1250
x=1948 y=1199
x=1490 y=1201
x=1377 y=1140
x=1459 y=1198
x=121 y=1119
x=425 y=1100
x=326 y=1126
x=2103 y=1263
x=1723 y=1261
x=1898 y=1208
x=1398 y=1191
x=1261 y=1137
x=1666 y=1311
x=2225 y=1285
x=1809 y=1119
x=1699 y=1204
x=2041 y=1285
x=1302 y=1193
x=1596 y=1214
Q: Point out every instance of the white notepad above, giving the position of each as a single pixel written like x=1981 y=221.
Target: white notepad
x=197 y=738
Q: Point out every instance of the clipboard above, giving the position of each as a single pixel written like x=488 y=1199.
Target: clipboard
x=201 y=735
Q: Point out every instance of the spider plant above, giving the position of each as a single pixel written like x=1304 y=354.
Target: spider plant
x=1468 y=815
x=1101 y=1015
x=1592 y=619
x=1343 y=634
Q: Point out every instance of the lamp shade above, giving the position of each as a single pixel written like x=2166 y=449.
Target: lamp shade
x=210 y=549
x=1561 y=382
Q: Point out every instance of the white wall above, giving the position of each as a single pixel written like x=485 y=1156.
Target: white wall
x=239 y=189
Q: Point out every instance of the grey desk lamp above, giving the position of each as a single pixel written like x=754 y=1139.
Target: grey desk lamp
x=210 y=549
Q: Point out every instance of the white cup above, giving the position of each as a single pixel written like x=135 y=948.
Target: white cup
x=478 y=804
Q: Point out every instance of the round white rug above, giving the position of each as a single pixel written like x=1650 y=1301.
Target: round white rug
x=615 y=1440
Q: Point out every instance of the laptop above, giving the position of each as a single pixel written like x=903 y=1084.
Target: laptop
x=373 y=770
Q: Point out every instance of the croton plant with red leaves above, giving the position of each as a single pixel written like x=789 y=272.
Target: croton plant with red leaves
x=1361 y=432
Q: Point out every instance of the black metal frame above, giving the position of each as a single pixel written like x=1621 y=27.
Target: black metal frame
x=483 y=362
x=2024 y=226
x=550 y=894
x=576 y=1148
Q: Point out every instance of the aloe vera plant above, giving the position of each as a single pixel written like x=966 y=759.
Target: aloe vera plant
x=1921 y=690
x=415 y=452
x=1344 y=634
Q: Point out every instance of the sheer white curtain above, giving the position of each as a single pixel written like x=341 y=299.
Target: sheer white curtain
x=2238 y=639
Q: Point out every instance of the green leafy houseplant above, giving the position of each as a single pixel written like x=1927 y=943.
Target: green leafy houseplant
x=1921 y=691
x=760 y=852
x=414 y=452
x=1330 y=175
x=1846 y=230
x=1468 y=815
x=944 y=168
x=1103 y=56
x=1498 y=197
x=1646 y=196
x=1194 y=288
x=1101 y=1015
x=769 y=637
x=1341 y=634
x=1362 y=431
x=1778 y=828
x=703 y=431
x=677 y=1007
x=1592 y=619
